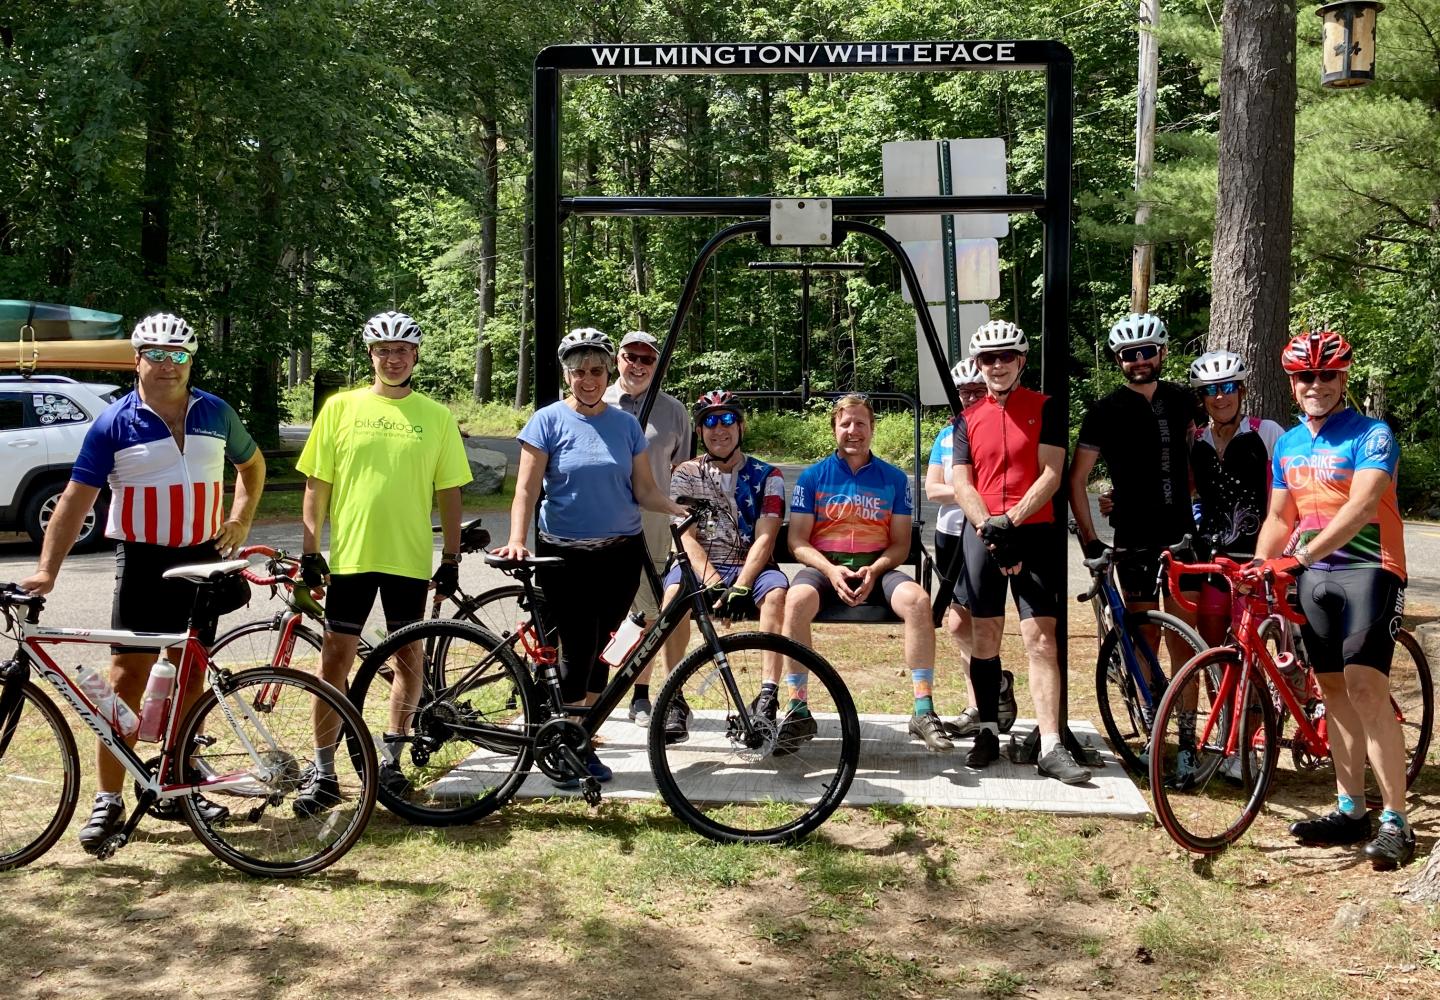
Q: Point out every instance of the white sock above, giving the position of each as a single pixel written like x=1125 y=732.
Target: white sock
x=994 y=727
x=116 y=797
x=1048 y=742
x=325 y=759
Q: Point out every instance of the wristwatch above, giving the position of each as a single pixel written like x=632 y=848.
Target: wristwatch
x=1302 y=556
x=452 y=557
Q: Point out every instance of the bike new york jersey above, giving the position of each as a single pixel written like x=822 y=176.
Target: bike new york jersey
x=1318 y=470
x=161 y=495
x=852 y=510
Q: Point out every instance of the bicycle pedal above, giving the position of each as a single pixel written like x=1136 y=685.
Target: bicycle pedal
x=110 y=845
x=590 y=789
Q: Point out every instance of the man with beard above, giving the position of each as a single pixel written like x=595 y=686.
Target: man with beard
x=1142 y=430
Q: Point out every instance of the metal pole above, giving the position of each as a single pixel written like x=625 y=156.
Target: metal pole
x=804 y=334
x=1142 y=266
x=549 y=263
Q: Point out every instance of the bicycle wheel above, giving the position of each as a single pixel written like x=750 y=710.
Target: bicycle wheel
x=270 y=712
x=1412 y=692
x=1123 y=708
x=497 y=611
x=1197 y=802
x=39 y=778
x=777 y=785
x=455 y=749
x=252 y=645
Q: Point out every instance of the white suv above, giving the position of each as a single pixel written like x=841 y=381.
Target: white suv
x=43 y=420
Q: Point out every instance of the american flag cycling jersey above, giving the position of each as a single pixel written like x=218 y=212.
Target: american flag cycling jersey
x=161 y=495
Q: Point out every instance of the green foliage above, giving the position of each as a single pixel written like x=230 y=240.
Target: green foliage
x=297 y=403
x=490 y=419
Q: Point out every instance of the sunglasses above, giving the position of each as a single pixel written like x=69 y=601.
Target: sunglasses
x=996 y=357
x=1142 y=353
x=724 y=418
x=1308 y=378
x=155 y=356
x=639 y=359
x=1220 y=389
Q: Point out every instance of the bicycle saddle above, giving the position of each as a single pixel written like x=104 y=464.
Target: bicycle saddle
x=512 y=564
x=206 y=572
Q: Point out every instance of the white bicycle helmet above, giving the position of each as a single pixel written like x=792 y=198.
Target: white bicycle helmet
x=1218 y=366
x=585 y=338
x=1137 y=330
x=163 y=330
x=966 y=373
x=999 y=335
x=391 y=326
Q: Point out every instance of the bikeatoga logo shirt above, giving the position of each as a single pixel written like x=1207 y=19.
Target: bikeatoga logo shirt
x=852 y=510
x=161 y=495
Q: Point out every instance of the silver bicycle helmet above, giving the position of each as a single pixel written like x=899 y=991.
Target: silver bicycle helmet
x=999 y=335
x=391 y=326
x=163 y=330
x=586 y=338
x=1137 y=330
x=967 y=373
x=1218 y=366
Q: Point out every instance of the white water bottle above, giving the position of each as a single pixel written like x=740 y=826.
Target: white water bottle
x=625 y=639
x=157 y=697
x=98 y=690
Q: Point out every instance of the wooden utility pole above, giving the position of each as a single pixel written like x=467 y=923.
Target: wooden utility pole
x=1142 y=266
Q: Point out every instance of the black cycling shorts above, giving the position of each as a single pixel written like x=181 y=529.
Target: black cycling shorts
x=1351 y=616
x=1036 y=588
x=1138 y=573
x=950 y=564
x=145 y=601
x=350 y=597
x=880 y=595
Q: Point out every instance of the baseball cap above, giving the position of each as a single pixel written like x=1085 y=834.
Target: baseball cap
x=640 y=337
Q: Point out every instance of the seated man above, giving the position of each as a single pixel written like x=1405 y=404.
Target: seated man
x=850 y=525
x=736 y=560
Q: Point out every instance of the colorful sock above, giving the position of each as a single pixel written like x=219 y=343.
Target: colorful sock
x=921 y=678
x=1391 y=816
x=985 y=675
x=1048 y=742
x=799 y=685
x=642 y=692
x=1350 y=807
x=325 y=759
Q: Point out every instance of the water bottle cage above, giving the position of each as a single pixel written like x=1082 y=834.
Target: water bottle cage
x=535 y=649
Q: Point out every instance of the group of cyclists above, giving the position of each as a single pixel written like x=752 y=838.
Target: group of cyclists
x=1318 y=498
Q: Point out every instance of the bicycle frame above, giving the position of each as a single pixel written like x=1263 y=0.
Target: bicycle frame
x=38 y=643
x=1106 y=600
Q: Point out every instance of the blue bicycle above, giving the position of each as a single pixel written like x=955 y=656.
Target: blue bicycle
x=1130 y=677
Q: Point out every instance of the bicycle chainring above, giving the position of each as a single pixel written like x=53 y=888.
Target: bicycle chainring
x=549 y=741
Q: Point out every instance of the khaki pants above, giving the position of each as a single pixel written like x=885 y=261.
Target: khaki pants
x=656 y=528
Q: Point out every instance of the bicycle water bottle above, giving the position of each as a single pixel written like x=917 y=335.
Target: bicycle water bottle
x=157 y=697
x=1289 y=668
x=100 y=694
x=625 y=638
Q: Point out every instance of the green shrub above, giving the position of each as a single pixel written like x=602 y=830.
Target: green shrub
x=297 y=402
x=489 y=419
x=1418 y=487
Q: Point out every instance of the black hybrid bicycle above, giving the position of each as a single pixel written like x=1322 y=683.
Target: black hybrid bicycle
x=461 y=716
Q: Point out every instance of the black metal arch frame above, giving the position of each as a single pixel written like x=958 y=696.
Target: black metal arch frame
x=1053 y=205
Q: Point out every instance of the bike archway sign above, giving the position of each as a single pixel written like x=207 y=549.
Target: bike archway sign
x=1052 y=205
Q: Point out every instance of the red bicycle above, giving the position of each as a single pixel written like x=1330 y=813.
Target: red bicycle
x=1210 y=772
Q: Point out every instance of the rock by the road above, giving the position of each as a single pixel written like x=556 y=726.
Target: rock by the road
x=486 y=466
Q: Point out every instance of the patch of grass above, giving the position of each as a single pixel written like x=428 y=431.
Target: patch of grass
x=1001 y=983
x=841 y=873
x=887 y=967
x=489 y=419
x=692 y=861
x=780 y=932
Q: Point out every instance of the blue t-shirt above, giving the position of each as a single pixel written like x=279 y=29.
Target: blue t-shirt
x=852 y=510
x=587 y=476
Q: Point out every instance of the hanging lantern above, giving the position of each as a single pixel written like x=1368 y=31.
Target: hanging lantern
x=1348 y=42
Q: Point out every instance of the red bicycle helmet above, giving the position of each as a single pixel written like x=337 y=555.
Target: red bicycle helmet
x=717 y=399
x=1317 y=351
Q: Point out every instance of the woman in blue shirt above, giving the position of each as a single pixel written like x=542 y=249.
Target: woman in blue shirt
x=586 y=454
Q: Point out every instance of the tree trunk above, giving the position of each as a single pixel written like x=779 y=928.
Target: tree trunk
x=1250 y=291
x=527 y=290
x=1142 y=266
x=157 y=184
x=307 y=348
x=490 y=197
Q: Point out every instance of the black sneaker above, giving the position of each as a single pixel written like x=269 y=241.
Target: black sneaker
x=211 y=813
x=1332 y=828
x=967 y=723
x=1008 y=709
x=929 y=730
x=393 y=780
x=985 y=751
x=1393 y=846
x=318 y=792
x=1058 y=764
x=766 y=705
x=677 y=720
x=797 y=729
x=640 y=712
x=105 y=821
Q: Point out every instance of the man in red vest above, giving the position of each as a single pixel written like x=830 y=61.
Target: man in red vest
x=1009 y=449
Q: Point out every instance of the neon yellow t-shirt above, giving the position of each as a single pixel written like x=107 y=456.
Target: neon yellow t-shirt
x=384 y=459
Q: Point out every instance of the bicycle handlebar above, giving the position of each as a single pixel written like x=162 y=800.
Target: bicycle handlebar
x=1277 y=585
x=275 y=559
